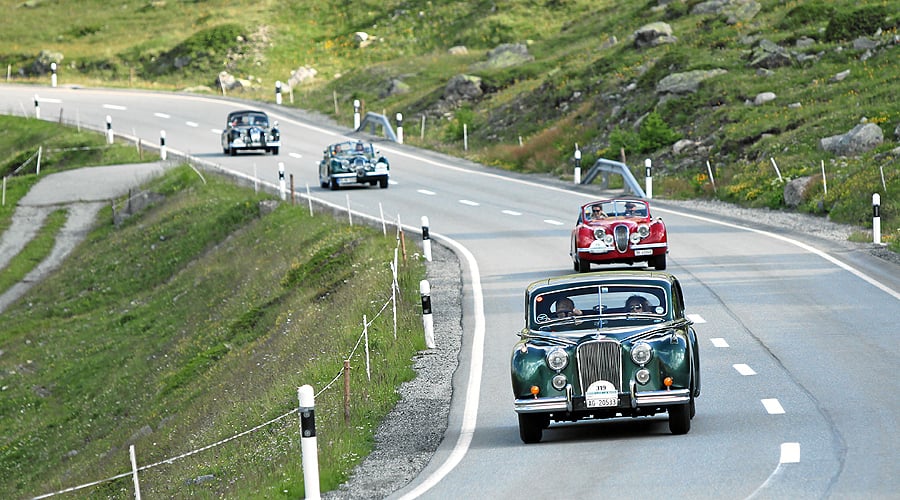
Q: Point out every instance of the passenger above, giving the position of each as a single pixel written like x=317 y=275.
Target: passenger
x=630 y=209
x=637 y=304
x=359 y=147
x=566 y=307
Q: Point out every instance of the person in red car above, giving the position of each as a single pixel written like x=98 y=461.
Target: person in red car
x=597 y=212
x=630 y=209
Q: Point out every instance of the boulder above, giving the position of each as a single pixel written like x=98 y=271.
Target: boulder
x=687 y=82
x=861 y=138
x=795 y=191
x=653 y=34
x=769 y=55
x=463 y=88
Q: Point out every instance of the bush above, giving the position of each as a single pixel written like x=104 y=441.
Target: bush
x=860 y=22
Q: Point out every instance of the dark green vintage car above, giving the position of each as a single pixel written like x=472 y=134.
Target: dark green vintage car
x=605 y=345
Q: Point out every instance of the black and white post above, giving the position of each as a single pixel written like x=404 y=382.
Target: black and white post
x=37 y=107
x=162 y=145
x=109 y=130
x=876 y=218
x=356 y=114
x=308 y=448
x=427 y=318
x=577 y=165
x=281 y=181
x=426 y=239
x=278 y=92
x=648 y=180
x=53 y=74
x=400 y=128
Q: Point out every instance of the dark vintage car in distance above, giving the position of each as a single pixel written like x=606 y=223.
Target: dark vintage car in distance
x=618 y=231
x=605 y=345
x=353 y=162
x=249 y=130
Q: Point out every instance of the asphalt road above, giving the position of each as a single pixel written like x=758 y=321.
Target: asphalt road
x=796 y=332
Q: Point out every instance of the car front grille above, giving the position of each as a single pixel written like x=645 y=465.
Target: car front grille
x=621 y=235
x=599 y=360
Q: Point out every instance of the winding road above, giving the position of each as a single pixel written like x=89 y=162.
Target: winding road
x=797 y=334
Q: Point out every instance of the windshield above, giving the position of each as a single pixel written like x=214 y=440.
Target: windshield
x=588 y=304
x=616 y=208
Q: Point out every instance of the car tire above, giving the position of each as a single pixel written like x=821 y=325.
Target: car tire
x=275 y=151
x=334 y=184
x=383 y=183
x=659 y=262
x=232 y=151
x=680 y=419
x=323 y=184
x=582 y=266
x=531 y=427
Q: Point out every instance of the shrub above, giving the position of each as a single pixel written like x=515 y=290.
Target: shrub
x=860 y=22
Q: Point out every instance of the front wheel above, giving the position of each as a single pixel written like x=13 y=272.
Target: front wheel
x=334 y=184
x=582 y=266
x=383 y=183
x=680 y=419
x=531 y=427
x=274 y=151
x=659 y=262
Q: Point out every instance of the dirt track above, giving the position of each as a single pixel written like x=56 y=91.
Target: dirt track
x=83 y=192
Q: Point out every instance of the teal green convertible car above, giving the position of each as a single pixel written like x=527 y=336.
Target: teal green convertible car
x=605 y=345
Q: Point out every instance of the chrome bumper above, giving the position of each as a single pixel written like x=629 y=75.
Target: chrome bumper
x=638 y=399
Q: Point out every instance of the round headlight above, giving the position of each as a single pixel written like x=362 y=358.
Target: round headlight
x=557 y=359
x=559 y=381
x=641 y=353
x=635 y=237
x=642 y=376
x=599 y=234
x=643 y=230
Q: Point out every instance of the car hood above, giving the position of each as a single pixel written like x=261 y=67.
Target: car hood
x=622 y=334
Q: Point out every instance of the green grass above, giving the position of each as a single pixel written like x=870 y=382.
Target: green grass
x=34 y=252
x=580 y=87
x=190 y=323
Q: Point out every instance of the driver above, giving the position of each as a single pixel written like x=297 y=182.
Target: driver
x=566 y=307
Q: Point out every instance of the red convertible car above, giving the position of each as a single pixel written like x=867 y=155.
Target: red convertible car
x=618 y=231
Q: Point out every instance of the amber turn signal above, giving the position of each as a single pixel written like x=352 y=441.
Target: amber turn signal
x=668 y=382
x=535 y=390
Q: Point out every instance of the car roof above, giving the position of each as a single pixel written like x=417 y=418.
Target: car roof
x=247 y=111
x=605 y=277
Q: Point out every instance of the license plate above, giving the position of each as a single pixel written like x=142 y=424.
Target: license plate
x=643 y=252
x=601 y=394
x=601 y=402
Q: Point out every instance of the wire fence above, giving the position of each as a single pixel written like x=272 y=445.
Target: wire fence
x=362 y=342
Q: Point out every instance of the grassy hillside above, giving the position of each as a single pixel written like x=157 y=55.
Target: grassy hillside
x=187 y=325
x=587 y=84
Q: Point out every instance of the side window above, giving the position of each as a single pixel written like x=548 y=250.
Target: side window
x=677 y=300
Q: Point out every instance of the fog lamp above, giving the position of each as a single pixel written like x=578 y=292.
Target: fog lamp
x=642 y=376
x=559 y=382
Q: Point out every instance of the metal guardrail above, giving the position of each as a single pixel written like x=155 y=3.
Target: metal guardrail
x=614 y=167
x=373 y=120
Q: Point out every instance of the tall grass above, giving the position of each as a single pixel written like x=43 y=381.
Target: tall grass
x=190 y=323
